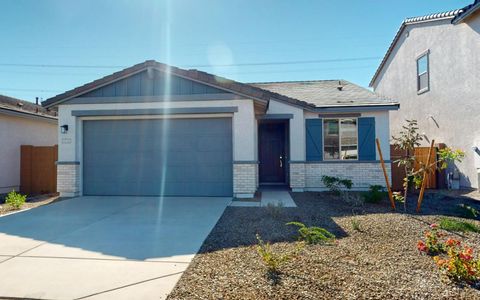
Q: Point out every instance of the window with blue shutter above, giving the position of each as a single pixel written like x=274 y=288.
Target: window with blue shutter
x=366 y=139
x=340 y=139
x=314 y=141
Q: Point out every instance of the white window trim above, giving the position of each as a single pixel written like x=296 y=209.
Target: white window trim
x=426 y=89
x=339 y=140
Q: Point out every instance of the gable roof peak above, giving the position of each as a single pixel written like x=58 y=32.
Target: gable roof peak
x=228 y=85
x=456 y=15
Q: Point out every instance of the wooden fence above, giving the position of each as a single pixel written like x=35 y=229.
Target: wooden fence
x=421 y=153
x=398 y=173
x=38 y=172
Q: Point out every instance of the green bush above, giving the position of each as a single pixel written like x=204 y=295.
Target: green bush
x=397 y=196
x=273 y=260
x=455 y=225
x=356 y=225
x=275 y=210
x=313 y=235
x=335 y=184
x=15 y=200
x=375 y=194
x=468 y=211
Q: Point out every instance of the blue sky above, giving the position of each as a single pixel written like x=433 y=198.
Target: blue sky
x=346 y=39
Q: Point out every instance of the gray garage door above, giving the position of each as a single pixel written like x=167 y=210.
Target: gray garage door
x=175 y=157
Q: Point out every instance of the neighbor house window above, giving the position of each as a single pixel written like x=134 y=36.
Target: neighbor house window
x=423 y=73
x=340 y=139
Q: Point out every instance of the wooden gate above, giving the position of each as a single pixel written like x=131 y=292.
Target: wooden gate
x=421 y=153
x=398 y=173
x=38 y=172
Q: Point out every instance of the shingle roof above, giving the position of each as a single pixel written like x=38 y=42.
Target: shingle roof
x=25 y=107
x=307 y=94
x=217 y=81
x=325 y=92
x=451 y=14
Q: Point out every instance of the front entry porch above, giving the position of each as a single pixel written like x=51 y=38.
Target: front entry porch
x=267 y=195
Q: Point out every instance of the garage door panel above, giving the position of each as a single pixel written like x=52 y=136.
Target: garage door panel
x=180 y=157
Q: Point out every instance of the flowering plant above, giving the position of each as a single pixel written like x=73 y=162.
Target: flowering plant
x=432 y=244
x=460 y=264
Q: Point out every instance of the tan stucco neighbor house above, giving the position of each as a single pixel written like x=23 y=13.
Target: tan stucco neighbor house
x=432 y=69
x=158 y=130
x=21 y=123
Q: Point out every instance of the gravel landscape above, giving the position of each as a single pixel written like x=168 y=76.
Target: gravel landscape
x=376 y=259
x=32 y=202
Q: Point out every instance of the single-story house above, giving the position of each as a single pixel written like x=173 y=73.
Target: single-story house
x=154 y=129
x=21 y=123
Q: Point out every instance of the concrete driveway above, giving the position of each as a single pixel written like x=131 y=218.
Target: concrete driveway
x=103 y=247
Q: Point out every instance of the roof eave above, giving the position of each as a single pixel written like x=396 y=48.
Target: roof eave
x=394 y=43
x=28 y=115
x=465 y=15
x=387 y=54
x=55 y=102
x=358 y=108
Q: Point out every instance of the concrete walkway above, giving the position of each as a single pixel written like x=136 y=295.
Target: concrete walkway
x=275 y=197
x=269 y=196
x=103 y=247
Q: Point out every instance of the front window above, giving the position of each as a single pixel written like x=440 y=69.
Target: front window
x=423 y=73
x=340 y=139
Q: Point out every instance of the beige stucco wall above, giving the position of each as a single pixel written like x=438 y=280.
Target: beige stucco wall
x=14 y=132
x=449 y=112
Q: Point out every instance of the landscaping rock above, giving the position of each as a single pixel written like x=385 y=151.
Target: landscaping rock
x=380 y=262
x=32 y=202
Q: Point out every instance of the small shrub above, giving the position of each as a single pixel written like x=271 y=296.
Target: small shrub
x=375 y=194
x=397 y=196
x=313 y=235
x=468 y=211
x=275 y=209
x=15 y=200
x=352 y=199
x=460 y=264
x=273 y=260
x=356 y=225
x=432 y=244
x=455 y=225
x=335 y=184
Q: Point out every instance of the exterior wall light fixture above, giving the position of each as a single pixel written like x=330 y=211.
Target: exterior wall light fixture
x=64 y=129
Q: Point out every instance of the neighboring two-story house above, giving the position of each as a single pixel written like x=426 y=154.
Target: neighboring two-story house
x=432 y=68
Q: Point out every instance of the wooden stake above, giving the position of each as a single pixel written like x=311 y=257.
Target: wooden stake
x=424 y=181
x=390 y=194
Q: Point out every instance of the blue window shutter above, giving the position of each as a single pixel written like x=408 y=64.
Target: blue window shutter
x=314 y=140
x=366 y=139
